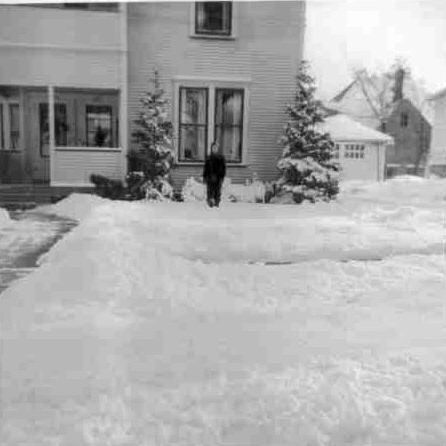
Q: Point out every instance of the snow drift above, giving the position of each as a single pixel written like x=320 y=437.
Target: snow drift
x=152 y=324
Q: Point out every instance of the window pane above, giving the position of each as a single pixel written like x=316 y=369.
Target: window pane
x=230 y=142
x=14 y=126
x=213 y=18
x=192 y=143
x=60 y=127
x=193 y=106
x=229 y=107
x=99 y=126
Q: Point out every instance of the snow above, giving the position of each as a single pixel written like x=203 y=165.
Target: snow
x=4 y=218
x=254 y=192
x=76 y=206
x=343 y=128
x=173 y=324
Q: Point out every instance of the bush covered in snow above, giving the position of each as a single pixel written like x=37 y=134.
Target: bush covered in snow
x=153 y=135
x=307 y=170
x=254 y=192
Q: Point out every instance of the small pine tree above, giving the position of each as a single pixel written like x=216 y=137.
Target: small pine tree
x=306 y=166
x=154 y=137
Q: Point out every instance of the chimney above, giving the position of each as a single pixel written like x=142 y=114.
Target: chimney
x=398 y=87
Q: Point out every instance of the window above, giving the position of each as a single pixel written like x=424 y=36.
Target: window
x=14 y=126
x=229 y=123
x=193 y=124
x=207 y=114
x=60 y=127
x=404 y=121
x=335 y=152
x=354 y=151
x=213 y=18
x=99 y=126
x=9 y=125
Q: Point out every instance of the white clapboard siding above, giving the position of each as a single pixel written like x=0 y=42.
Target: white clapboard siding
x=266 y=51
x=44 y=46
x=73 y=166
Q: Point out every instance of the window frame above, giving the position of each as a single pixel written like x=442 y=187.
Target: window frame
x=242 y=113
x=404 y=120
x=227 y=9
x=5 y=137
x=110 y=108
x=56 y=104
x=233 y=24
x=212 y=84
x=180 y=125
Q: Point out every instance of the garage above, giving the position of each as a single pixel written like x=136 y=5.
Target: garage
x=360 y=150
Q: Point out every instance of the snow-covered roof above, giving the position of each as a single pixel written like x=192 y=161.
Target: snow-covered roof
x=438 y=95
x=343 y=128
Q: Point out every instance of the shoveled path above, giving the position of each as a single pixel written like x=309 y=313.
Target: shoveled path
x=24 y=240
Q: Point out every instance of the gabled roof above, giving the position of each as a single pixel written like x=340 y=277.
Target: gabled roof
x=343 y=128
x=438 y=95
x=340 y=96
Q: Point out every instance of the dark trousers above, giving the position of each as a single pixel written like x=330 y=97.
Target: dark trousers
x=213 y=189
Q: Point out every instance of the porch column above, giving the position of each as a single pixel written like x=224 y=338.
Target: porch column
x=52 y=132
x=123 y=96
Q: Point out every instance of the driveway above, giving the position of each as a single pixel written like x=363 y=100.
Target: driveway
x=22 y=241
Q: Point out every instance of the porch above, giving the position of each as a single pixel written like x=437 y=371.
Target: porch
x=59 y=136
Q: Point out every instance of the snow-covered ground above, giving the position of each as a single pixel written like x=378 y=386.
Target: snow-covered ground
x=172 y=324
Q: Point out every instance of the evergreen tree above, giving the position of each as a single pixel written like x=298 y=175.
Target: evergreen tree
x=154 y=138
x=306 y=166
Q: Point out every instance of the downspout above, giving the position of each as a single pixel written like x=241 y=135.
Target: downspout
x=52 y=133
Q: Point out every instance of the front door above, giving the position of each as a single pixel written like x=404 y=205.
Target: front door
x=38 y=144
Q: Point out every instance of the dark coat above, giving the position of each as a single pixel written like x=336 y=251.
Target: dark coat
x=214 y=168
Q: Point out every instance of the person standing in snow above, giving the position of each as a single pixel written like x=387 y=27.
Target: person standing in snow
x=214 y=172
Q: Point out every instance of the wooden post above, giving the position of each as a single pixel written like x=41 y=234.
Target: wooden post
x=52 y=132
x=123 y=96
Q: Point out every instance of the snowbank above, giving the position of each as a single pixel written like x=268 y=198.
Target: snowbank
x=252 y=193
x=76 y=206
x=5 y=219
x=151 y=323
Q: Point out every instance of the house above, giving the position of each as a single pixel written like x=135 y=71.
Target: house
x=360 y=150
x=437 y=157
x=72 y=56
x=401 y=120
x=73 y=74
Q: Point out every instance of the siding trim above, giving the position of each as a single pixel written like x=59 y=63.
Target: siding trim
x=52 y=46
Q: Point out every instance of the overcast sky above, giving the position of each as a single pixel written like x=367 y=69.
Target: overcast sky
x=343 y=34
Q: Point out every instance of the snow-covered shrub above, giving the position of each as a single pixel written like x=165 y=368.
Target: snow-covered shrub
x=254 y=192
x=307 y=169
x=153 y=136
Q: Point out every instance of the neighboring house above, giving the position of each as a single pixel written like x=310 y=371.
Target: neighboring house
x=404 y=123
x=228 y=68
x=361 y=151
x=437 y=157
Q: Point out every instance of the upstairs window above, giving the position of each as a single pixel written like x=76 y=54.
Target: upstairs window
x=213 y=18
x=404 y=121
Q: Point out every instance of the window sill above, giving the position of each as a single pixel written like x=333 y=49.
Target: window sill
x=211 y=37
